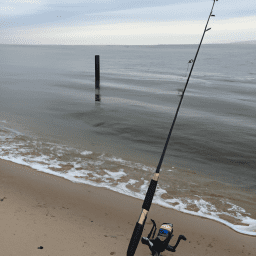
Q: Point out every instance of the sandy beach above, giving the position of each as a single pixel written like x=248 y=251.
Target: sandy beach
x=67 y=218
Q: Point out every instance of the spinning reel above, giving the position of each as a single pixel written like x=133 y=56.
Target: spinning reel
x=161 y=242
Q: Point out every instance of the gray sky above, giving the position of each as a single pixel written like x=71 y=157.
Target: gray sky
x=123 y=22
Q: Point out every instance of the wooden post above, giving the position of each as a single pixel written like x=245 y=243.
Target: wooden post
x=97 y=78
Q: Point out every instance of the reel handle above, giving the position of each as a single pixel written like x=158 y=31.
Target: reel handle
x=173 y=248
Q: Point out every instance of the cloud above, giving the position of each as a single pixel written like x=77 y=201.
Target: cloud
x=7 y=8
x=15 y=8
x=26 y=1
x=139 y=33
x=125 y=22
x=233 y=29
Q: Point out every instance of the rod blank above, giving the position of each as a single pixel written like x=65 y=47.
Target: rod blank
x=134 y=241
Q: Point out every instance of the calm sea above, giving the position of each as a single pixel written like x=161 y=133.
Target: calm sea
x=49 y=120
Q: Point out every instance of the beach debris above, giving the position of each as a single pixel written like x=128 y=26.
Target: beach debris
x=40 y=247
x=3 y=198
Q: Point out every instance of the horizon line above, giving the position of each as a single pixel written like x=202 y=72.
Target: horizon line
x=235 y=42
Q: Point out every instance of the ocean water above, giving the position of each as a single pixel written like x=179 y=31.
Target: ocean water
x=49 y=120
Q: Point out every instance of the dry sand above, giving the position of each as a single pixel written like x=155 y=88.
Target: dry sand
x=74 y=219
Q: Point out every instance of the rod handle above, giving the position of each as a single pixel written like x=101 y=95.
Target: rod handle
x=135 y=239
x=150 y=194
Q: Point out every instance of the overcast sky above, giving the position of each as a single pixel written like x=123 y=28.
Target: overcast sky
x=124 y=22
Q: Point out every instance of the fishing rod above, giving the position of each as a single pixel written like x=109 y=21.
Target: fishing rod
x=137 y=232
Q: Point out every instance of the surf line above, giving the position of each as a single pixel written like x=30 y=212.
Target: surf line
x=137 y=232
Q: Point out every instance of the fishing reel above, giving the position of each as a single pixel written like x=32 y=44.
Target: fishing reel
x=161 y=242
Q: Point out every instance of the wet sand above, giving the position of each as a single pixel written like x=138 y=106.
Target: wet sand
x=68 y=218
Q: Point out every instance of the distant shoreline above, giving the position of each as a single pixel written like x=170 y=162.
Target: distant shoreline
x=245 y=42
x=238 y=42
